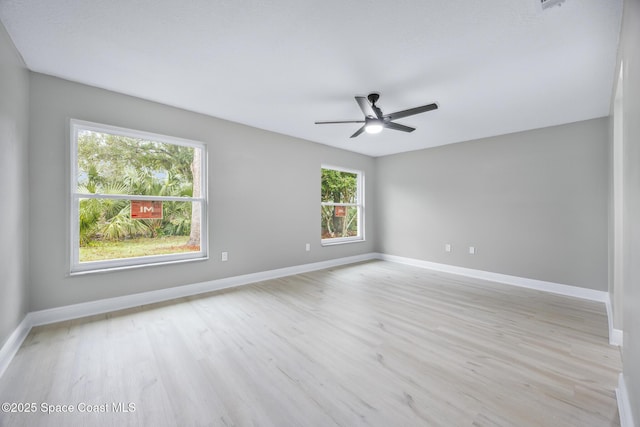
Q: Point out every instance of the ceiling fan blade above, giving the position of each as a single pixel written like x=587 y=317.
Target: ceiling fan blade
x=411 y=112
x=358 y=132
x=342 y=121
x=397 y=126
x=366 y=107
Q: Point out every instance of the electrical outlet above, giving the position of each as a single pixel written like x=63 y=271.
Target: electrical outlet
x=224 y=256
x=308 y=247
x=472 y=250
x=447 y=247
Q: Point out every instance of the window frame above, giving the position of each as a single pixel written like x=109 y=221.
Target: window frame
x=360 y=182
x=77 y=267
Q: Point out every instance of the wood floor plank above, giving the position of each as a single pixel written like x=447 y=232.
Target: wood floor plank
x=370 y=344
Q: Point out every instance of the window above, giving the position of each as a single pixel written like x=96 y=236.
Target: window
x=342 y=205
x=136 y=198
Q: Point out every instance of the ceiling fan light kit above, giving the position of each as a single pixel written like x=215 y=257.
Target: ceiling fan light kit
x=374 y=121
x=373 y=127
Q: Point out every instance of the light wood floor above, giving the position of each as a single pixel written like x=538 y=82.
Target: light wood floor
x=372 y=344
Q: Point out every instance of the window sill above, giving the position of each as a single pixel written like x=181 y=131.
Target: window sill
x=105 y=269
x=341 y=241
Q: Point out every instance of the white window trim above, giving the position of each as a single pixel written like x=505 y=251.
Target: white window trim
x=76 y=267
x=359 y=203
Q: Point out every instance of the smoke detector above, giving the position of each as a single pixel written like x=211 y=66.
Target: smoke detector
x=546 y=4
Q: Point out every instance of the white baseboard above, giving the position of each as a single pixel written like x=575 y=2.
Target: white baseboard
x=541 y=285
x=12 y=345
x=58 y=314
x=41 y=317
x=75 y=311
x=624 y=403
x=91 y=308
x=615 y=335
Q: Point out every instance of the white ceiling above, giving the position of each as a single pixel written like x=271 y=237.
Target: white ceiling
x=493 y=66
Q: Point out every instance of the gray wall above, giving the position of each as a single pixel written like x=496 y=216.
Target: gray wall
x=534 y=204
x=629 y=54
x=14 y=93
x=264 y=191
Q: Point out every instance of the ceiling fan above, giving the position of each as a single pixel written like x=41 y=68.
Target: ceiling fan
x=374 y=121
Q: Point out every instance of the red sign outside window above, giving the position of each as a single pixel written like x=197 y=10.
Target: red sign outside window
x=340 y=211
x=146 y=209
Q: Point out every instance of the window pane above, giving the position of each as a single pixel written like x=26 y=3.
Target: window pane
x=339 y=221
x=339 y=187
x=114 y=164
x=115 y=229
x=135 y=223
